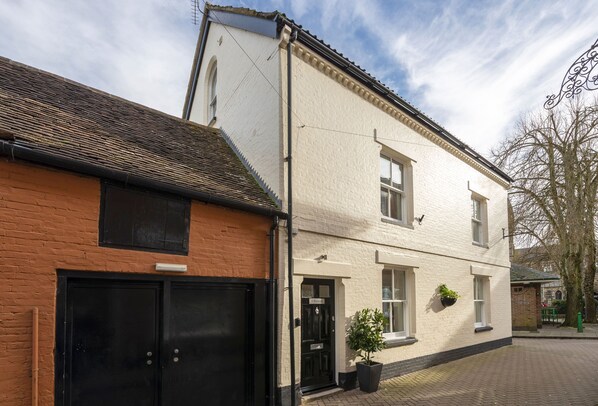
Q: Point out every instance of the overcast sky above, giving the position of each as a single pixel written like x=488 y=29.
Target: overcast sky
x=473 y=66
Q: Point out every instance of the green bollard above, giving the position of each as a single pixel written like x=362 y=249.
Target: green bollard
x=579 y=325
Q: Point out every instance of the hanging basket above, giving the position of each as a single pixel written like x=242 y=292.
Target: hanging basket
x=448 y=301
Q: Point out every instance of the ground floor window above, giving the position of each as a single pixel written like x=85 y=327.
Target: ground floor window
x=394 y=303
x=479 y=300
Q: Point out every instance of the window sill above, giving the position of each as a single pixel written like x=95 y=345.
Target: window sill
x=399 y=342
x=397 y=223
x=482 y=329
x=477 y=244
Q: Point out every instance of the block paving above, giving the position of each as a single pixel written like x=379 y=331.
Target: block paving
x=530 y=372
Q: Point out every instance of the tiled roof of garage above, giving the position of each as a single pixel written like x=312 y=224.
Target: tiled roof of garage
x=520 y=273
x=57 y=117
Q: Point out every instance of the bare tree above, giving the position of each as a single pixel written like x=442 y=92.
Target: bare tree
x=553 y=160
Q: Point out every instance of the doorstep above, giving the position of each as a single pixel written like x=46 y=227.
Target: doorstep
x=313 y=396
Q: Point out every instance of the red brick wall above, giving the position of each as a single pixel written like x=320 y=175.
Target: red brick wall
x=524 y=307
x=49 y=221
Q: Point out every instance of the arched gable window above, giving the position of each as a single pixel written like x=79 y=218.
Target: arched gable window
x=212 y=99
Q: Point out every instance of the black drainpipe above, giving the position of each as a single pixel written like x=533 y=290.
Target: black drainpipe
x=272 y=316
x=292 y=38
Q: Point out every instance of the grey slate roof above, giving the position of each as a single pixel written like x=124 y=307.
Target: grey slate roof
x=46 y=113
x=520 y=273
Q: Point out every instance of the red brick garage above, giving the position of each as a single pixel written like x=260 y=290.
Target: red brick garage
x=61 y=144
x=526 y=297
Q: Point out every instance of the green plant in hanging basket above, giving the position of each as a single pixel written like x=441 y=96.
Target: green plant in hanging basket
x=365 y=334
x=447 y=293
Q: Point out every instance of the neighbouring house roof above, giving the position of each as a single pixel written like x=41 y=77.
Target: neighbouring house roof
x=51 y=120
x=523 y=274
x=279 y=20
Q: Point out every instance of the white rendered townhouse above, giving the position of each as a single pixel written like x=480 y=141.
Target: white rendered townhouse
x=387 y=205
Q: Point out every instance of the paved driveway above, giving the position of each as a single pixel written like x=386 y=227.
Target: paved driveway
x=530 y=372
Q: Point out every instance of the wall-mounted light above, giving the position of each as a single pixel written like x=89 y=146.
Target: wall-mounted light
x=322 y=257
x=420 y=219
x=171 y=267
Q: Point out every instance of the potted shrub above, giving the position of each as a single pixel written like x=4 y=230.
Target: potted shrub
x=365 y=338
x=448 y=297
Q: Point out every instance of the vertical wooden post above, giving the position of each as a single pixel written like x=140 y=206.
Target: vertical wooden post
x=35 y=357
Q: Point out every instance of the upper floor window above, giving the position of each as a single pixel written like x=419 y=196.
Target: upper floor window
x=212 y=97
x=393 y=199
x=479 y=222
x=394 y=303
x=143 y=220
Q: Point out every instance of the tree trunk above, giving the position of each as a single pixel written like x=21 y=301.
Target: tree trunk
x=573 y=289
x=588 y=282
x=573 y=299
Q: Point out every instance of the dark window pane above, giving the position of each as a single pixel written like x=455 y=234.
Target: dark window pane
x=307 y=291
x=398 y=322
x=384 y=201
x=138 y=219
x=387 y=316
x=397 y=175
x=396 y=203
x=384 y=170
x=386 y=285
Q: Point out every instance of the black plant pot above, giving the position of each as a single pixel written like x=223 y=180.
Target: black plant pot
x=448 y=301
x=369 y=376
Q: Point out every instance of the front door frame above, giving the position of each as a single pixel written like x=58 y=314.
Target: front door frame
x=333 y=287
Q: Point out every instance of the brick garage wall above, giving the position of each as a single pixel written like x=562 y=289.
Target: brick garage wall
x=49 y=221
x=524 y=307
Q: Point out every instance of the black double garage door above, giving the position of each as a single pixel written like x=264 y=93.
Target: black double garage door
x=165 y=341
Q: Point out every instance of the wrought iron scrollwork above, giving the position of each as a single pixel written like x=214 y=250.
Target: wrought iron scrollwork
x=581 y=75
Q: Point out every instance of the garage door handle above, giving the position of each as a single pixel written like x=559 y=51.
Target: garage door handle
x=149 y=354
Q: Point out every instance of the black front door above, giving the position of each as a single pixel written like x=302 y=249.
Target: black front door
x=317 y=334
x=160 y=342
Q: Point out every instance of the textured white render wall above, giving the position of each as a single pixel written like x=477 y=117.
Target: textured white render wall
x=248 y=107
x=436 y=328
x=337 y=211
x=336 y=176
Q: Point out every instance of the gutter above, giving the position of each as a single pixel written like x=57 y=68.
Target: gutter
x=273 y=327
x=27 y=154
x=292 y=38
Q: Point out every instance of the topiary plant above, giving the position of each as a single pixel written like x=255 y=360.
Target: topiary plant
x=365 y=334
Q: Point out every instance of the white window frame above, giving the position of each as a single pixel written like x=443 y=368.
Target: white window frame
x=479 y=286
x=479 y=219
x=212 y=93
x=405 y=302
x=403 y=193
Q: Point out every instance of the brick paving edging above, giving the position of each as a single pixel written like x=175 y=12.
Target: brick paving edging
x=590 y=332
x=530 y=372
